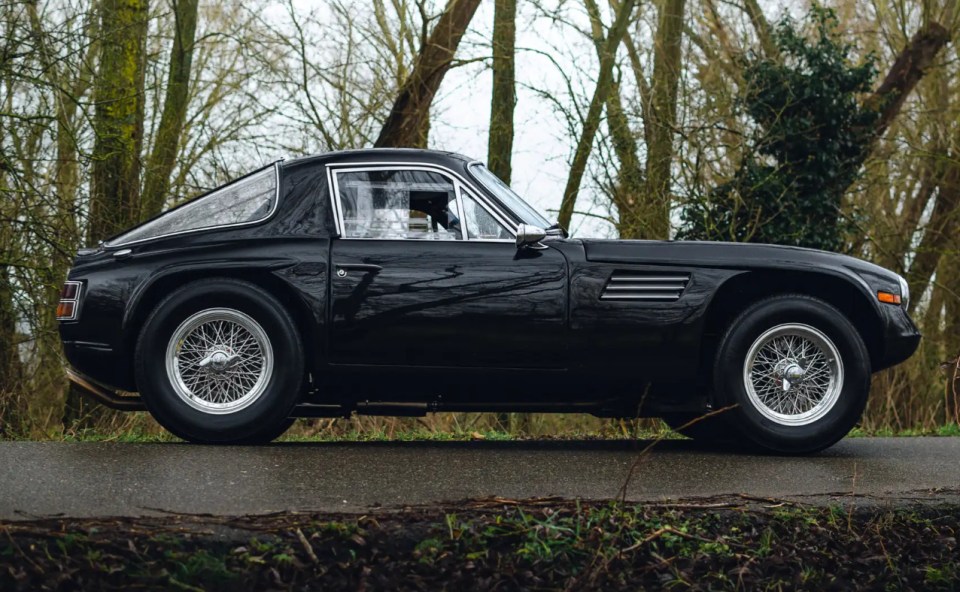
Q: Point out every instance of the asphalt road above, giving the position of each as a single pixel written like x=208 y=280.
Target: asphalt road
x=116 y=479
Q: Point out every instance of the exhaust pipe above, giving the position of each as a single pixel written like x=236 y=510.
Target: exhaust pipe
x=104 y=395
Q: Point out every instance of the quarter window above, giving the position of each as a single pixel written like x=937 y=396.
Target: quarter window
x=245 y=201
x=398 y=204
x=480 y=223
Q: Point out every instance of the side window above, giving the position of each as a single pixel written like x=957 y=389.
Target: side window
x=398 y=204
x=480 y=223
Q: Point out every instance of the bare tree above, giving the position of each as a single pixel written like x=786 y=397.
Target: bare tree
x=162 y=159
x=592 y=121
x=503 y=98
x=407 y=123
x=667 y=68
x=119 y=95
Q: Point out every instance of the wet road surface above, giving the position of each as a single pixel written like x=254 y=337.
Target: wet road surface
x=121 y=479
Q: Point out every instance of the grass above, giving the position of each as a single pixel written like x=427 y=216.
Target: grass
x=949 y=430
x=141 y=428
x=426 y=435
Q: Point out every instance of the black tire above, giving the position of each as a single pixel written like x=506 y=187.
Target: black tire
x=267 y=437
x=266 y=415
x=792 y=313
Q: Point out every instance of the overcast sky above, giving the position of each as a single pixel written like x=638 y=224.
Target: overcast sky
x=548 y=53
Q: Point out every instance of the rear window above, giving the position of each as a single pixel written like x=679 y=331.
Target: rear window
x=245 y=201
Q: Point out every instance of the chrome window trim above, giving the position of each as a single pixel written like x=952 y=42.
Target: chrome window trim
x=458 y=180
x=273 y=210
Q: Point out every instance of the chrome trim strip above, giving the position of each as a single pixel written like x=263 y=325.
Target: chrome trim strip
x=645 y=287
x=461 y=213
x=334 y=190
x=651 y=296
x=273 y=210
x=334 y=169
x=640 y=278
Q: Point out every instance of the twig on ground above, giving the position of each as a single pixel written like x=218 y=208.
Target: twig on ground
x=307 y=546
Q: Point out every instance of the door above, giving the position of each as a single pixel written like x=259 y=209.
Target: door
x=425 y=274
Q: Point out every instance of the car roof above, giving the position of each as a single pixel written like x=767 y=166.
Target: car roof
x=373 y=153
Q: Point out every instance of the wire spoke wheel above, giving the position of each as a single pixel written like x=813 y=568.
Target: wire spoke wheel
x=219 y=361
x=793 y=374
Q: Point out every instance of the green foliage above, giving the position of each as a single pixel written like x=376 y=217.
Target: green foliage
x=810 y=135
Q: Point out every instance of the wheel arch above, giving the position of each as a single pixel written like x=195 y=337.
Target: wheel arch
x=744 y=289
x=159 y=286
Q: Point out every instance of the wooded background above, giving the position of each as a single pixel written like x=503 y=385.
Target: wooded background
x=828 y=125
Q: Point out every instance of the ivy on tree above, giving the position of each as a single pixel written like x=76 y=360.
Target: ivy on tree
x=810 y=135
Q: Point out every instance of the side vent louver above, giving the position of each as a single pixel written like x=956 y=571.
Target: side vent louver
x=647 y=286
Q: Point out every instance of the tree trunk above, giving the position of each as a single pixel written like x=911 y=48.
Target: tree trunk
x=906 y=72
x=503 y=99
x=164 y=154
x=69 y=88
x=408 y=121
x=627 y=193
x=592 y=121
x=762 y=26
x=940 y=230
x=634 y=209
x=903 y=76
x=118 y=125
x=948 y=275
x=118 y=119
x=666 y=76
x=9 y=352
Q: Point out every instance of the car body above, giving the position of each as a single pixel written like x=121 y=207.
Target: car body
x=415 y=281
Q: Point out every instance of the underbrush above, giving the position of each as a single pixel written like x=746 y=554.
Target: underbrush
x=499 y=544
x=140 y=427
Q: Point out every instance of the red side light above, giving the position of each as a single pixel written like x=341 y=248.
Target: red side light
x=70 y=291
x=69 y=304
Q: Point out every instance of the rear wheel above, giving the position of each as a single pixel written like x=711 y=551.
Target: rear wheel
x=797 y=372
x=220 y=361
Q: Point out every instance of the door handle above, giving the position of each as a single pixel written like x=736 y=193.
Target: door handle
x=364 y=267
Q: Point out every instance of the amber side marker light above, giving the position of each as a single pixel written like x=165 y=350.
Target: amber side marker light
x=888 y=297
x=69 y=304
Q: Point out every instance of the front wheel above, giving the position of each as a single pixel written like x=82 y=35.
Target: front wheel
x=220 y=361
x=797 y=373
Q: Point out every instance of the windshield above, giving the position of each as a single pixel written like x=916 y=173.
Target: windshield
x=508 y=197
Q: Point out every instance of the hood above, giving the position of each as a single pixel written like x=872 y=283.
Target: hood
x=730 y=256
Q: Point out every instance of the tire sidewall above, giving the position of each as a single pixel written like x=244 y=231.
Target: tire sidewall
x=274 y=405
x=765 y=432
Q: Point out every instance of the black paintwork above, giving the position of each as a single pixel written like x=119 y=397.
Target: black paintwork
x=471 y=324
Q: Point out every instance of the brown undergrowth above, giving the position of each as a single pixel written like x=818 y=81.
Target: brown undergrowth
x=544 y=544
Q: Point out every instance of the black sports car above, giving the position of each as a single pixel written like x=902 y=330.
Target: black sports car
x=399 y=282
